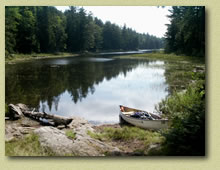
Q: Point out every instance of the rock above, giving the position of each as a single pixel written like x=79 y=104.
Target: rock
x=61 y=126
x=13 y=130
x=14 y=111
x=7 y=118
x=83 y=145
x=27 y=122
x=154 y=147
x=55 y=139
x=22 y=106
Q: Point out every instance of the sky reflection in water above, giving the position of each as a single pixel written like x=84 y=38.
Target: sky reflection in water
x=141 y=87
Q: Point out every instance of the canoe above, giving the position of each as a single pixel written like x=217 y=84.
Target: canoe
x=142 y=118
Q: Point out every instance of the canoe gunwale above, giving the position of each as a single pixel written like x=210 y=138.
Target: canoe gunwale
x=137 y=110
x=121 y=113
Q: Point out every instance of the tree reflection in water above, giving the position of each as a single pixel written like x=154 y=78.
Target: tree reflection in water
x=49 y=82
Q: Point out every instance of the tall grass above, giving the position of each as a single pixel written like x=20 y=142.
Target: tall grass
x=27 y=146
x=166 y=57
x=127 y=134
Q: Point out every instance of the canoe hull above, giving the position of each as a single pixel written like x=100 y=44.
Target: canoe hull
x=145 y=123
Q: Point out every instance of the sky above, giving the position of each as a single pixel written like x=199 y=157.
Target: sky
x=143 y=19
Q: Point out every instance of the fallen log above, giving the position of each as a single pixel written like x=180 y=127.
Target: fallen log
x=58 y=120
x=21 y=109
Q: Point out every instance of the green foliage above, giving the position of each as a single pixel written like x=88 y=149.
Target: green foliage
x=27 y=146
x=186 y=112
x=161 y=55
x=26 y=36
x=186 y=32
x=12 y=16
x=46 y=30
x=70 y=134
x=6 y=111
x=180 y=70
x=127 y=134
x=51 y=25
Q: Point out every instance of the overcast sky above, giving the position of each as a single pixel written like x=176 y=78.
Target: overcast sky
x=143 y=19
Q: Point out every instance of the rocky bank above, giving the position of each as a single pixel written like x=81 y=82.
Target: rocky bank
x=56 y=139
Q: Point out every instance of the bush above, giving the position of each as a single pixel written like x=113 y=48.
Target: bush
x=186 y=112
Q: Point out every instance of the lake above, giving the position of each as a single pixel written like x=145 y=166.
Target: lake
x=89 y=87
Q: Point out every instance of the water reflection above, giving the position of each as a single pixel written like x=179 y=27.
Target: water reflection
x=88 y=87
x=130 y=52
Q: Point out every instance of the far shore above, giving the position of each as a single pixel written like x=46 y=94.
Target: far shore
x=14 y=58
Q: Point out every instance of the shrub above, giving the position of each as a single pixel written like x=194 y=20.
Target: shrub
x=186 y=112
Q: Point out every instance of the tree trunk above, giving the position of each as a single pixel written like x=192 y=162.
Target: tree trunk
x=22 y=110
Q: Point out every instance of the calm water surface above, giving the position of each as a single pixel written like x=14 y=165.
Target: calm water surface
x=92 y=88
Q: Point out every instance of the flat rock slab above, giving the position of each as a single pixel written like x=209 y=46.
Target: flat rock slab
x=19 y=128
x=55 y=139
x=83 y=145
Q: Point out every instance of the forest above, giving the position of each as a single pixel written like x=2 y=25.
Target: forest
x=44 y=29
x=186 y=31
x=47 y=30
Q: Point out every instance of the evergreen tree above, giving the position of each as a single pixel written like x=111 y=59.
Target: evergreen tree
x=42 y=28
x=12 y=19
x=46 y=29
x=98 y=37
x=26 y=36
x=72 y=23
x=186 y=32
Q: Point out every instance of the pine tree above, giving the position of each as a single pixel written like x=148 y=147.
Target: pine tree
x=12 y=18
x=186 y=32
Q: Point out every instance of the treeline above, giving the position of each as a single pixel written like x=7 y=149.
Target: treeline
x=46 y=29
x=186 y=32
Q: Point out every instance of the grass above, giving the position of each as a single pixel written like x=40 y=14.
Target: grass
x=127 y=134
x=27 y=146
x=24 y=57
x=70 y=134
x=179 y=69
x=179 y=77
x=165 y=57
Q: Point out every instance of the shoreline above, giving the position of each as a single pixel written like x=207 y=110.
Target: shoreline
x=27 y=57
x=79 y=138
x=15 y=58
x=164 y=57
x=95 y=140
x=26 y=134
